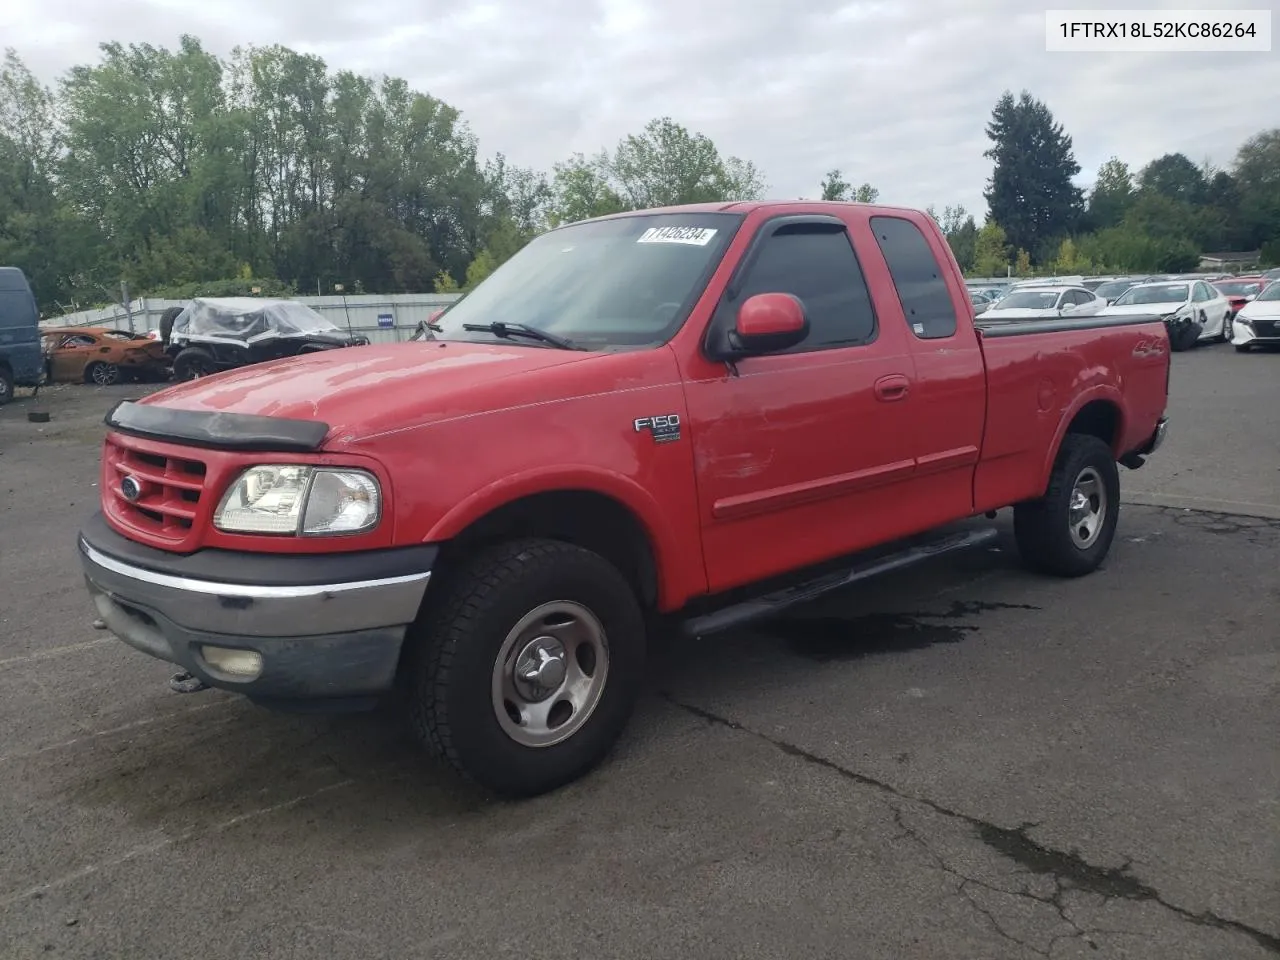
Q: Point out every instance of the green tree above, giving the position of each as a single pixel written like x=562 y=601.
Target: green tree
x=1174 y=176
x=581 y=189
x=835 y=187
x=991 y=251
x=1112 y=194
x=866 y=193
x=1031 y=191
x=479 y=269
x=1257 y=176
x=1022 y=264
x=667 y=164
x=38 y=230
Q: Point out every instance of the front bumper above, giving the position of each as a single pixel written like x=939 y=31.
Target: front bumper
x=319 y=636
x=1243 y=332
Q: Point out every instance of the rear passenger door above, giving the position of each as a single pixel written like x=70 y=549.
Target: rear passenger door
x=950 y=393
x=801 y=456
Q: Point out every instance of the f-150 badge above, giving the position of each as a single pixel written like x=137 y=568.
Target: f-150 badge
x=664 y=428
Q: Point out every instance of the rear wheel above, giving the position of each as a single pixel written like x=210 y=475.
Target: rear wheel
x=102 y=373
x=6 y=385
x=1227 y=329
x=192 y=363
x=1068 y=532
x=524 y=669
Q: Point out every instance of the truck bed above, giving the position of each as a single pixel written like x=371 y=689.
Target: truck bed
x=1034 y=391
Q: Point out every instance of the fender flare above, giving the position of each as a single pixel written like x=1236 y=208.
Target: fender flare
x=653 y=521
x=1103 y=391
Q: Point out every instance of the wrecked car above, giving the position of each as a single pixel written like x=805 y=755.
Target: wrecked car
x=213 y=334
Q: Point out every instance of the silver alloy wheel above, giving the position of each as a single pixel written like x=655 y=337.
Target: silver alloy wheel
x=1087 y=511
x=1227 y=329
x=4 y=389
x=550 y=673
x=105 y=374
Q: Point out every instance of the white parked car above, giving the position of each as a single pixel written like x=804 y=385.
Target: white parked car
x=1258 y=321
x=1192 y=310
x=1046 y=301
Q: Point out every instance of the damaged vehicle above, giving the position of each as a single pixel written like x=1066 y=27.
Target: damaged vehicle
x=213 y=334
x=102 y=355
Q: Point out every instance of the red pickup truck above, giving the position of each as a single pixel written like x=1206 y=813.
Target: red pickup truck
x=693 y=415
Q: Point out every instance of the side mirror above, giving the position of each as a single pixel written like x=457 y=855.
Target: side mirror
x=1067 y=308
x=769 y=322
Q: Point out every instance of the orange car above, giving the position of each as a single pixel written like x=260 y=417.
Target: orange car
x=102 y=355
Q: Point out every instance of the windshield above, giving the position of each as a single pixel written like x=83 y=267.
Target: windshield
x=1156 y=293
x=1239 y=288
x=1112 y=288
x=626 y=281
x=1272 y=292
x=1031 y=300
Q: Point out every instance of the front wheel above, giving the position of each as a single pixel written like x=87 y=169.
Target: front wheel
x=1068 y=532
x=524 y=669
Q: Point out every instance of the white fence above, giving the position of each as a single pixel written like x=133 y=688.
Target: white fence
x=383 y=318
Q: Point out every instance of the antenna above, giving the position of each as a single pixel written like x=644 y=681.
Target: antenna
x=342 y=290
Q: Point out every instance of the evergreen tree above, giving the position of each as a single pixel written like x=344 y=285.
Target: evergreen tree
x=1030 y=193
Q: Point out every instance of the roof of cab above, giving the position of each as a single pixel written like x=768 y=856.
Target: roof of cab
x=750 y=206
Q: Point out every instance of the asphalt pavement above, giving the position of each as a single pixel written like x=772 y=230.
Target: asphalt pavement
x=963 y=761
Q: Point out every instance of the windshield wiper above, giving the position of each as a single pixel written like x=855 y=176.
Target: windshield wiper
x=500 y=329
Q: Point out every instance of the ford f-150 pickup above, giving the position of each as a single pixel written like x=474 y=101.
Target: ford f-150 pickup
x=684 y=417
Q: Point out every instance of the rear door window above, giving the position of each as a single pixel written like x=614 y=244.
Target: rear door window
x=918 y=277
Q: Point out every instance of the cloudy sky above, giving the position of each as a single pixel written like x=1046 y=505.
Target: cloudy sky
x=896 y=93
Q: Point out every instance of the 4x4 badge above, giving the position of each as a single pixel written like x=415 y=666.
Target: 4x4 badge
x=663 y=428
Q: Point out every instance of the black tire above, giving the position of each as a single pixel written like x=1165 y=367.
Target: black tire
x=1227 y=321
x=102 y=373
x=1242 y=348
x=449 y=670
x=166 y=323
x=1044 y=530
x=6 y=385
x=193 y=362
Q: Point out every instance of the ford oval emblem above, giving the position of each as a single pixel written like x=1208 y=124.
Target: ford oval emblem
x=131 y=489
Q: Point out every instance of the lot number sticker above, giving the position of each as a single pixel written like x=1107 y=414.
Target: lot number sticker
x=695 y=236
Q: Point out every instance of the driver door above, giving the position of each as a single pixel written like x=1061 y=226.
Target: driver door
x=72 y=355
x=803 y=454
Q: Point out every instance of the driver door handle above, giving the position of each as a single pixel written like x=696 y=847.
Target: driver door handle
x=892 y=387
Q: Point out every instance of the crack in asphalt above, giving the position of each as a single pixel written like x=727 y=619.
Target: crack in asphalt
x=1258 y=531
x=1069 y=871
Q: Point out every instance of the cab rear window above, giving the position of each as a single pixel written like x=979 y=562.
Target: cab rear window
x=918 y=276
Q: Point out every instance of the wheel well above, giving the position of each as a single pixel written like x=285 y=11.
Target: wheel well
x=1099 y=418
x=591 y=520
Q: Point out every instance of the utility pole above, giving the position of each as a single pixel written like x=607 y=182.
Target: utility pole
x=124 y=298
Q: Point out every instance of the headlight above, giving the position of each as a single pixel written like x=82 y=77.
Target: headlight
x=301 y=501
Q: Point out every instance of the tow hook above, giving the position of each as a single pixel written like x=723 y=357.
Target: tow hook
x=184 y=681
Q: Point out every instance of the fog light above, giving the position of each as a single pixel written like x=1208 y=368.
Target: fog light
x=241 y=664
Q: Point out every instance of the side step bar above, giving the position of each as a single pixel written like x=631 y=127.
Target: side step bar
x=773 y=603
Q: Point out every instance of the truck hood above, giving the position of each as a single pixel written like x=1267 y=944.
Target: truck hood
x=360 y=391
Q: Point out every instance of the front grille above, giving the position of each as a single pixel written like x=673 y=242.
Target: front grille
x=1266 y=328
x=169 y=490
